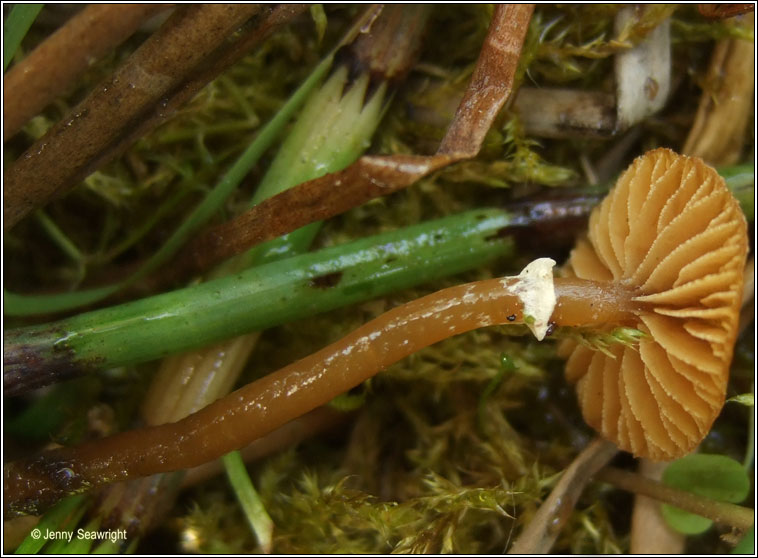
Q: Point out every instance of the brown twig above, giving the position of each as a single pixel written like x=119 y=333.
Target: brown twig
x=719 y=512
x=374 y=176
x=52 y=67
x=491 y=83
x=540 y=534
x=76 y=146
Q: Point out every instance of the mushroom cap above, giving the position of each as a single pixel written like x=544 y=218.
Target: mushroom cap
x=670 y=229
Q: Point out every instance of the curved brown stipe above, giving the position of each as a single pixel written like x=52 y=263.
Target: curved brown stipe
x=670 y=228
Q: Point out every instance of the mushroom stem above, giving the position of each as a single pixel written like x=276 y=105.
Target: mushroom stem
x=262 y=406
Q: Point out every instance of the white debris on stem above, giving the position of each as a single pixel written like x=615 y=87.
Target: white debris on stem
x=534 y=286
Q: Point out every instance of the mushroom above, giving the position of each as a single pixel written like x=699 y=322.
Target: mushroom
x=671 y=230
x=665 y=253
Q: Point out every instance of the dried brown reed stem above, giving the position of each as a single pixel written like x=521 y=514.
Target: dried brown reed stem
x=53 y=67
x=80 y=143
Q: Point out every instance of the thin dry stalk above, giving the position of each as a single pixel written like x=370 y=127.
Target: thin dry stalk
x=723 y=513
x=54 y=66
x=539 y=535
x=75 y=146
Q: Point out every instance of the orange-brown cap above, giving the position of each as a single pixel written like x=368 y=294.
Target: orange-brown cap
x=671 y=229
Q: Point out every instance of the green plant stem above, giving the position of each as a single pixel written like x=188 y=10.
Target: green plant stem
x=719 y=512
x=18 y=23
x=251 y=503
x=254 y=299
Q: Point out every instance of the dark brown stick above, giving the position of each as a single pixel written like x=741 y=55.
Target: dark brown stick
x=72 y=149
x=51 y=68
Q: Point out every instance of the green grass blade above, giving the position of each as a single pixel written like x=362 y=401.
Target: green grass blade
x=15 y=27
x=51 y=521
x=248 y=498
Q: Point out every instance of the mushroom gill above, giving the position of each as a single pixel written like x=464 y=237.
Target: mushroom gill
x=671 y=229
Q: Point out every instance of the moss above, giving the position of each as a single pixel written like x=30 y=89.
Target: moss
x=215 y=525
